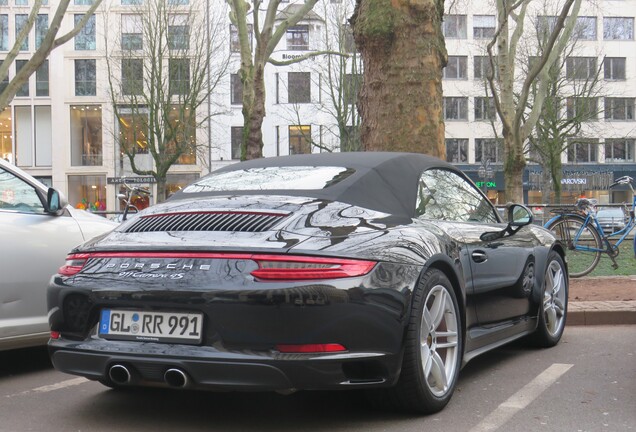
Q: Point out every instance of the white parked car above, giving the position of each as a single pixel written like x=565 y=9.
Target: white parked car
x=37 y=229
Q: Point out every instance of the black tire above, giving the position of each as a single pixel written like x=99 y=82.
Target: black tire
x=580 y=262
x=554 y=303
x=417 y=389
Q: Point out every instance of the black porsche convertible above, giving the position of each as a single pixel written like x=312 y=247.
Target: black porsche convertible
x=381 y=271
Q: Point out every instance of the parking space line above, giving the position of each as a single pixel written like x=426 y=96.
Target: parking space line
x=52 y=387
x=522 y=398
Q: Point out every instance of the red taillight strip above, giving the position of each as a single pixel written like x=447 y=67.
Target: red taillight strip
x=310 y=348
x=315 y=267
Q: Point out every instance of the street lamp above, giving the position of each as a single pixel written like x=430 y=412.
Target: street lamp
x=485 y=173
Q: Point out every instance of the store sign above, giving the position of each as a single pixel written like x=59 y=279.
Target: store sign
x=490 y=184
x=130 y=180
x=574 y=181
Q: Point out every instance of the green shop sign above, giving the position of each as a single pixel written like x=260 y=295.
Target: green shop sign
x=490 y=184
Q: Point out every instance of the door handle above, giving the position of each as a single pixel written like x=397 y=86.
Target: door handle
x=479 y=256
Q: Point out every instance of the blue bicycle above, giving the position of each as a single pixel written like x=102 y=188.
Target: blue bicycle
x=582 y=234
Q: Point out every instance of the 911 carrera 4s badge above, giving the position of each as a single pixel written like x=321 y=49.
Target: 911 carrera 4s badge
x=170 y=327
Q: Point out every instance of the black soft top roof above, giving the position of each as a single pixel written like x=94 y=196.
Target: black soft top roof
x=382 y=181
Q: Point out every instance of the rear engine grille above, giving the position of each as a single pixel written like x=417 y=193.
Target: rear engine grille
x=206 y=221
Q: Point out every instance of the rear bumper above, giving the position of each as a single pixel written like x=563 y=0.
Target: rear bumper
x=212 y=369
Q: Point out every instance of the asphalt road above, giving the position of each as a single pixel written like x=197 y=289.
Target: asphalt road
x=586 y=383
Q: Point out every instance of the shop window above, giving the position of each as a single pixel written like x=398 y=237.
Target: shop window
x=6 y=135
x=86 y=135
x=299 y=140
x=456 y=150
x=176 y=182
x=87 y=192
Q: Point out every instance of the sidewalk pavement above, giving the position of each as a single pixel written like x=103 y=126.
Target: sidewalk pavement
x=601 y=313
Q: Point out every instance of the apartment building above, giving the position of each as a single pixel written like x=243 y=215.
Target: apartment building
x=62 y=127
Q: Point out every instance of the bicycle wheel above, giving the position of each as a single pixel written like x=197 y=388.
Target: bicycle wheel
x=579 y=241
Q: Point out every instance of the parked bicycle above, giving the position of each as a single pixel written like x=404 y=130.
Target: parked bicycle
x=131 y=192
x=582 y=234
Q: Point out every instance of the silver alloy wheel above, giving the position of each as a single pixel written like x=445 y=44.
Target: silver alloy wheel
x=439 y=341
x=554 y=298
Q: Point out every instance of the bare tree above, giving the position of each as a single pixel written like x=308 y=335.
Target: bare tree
x=266 y=36
x=571 y=101
x=159 y=82
x=48 y=44
x=403 y=53
x=511 y=102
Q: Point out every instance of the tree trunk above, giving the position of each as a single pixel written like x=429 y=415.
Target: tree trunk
x=254 y=113
x=403 y=52
x=514 y=166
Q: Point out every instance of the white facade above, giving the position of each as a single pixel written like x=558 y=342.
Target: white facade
x=52 y=138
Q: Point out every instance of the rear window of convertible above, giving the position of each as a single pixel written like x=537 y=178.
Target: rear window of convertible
x=272 y=178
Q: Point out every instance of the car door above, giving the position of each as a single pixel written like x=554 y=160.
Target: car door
x=501 y=271
x=34 y=245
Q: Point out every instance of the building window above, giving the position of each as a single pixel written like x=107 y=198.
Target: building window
x=485 y=108
x=582 y=150
x=23 y=91
x=4 y=32
x=619 y=150
x=481 y=67
x=179 y=2
x=585 y=28
x=20 y=22
x=131 y=32
x=455 y=108
x=21 y=2
x=298 y=87
x=484 y=26
x=581 y=67
x=456 y=68
x=42 y=79
x=615 y=28
x=545 y=25
x=235 y=43
x=614 y=68
x=179 y=35
x=619 y=109
x=347 y=42
x=236 y=90
x=41 y=28
x=132 y=2
x=86 y=135
x=583 y=108
x=85 y=77
x=488 y=149
x=237 y=140
x=84 y=2
x=456 y=150
x=352 y=84
x=298 y=38
x=351 y=139
x=85 y=40
x=132 y=76
x=454 y=26
x=299 y=140
x=87 y=192
x=179 y=70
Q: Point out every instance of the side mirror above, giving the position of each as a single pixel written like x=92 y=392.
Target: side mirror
x=519 y=215
x=55 y=203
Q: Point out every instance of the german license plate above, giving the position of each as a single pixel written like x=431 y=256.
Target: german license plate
x=170 y=327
